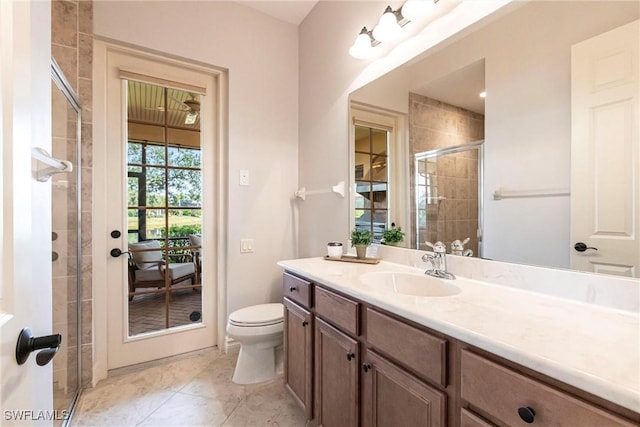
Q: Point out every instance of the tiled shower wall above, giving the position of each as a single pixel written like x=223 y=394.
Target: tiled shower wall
x=72 y=48
x=434 y=125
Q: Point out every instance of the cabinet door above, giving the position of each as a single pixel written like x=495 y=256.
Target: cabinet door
x=393 y=397
x=336 y=382
x=298 y=354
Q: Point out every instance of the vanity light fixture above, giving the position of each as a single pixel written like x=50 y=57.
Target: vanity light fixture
x=483 y=94
x=389 y=27
x=417 y=9
x=363 y=46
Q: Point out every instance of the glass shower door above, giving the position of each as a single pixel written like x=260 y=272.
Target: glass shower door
x=65 y=236
x=448 y=194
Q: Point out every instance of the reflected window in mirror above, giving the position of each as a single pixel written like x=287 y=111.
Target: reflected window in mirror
x=372 y=181
x=377 y=146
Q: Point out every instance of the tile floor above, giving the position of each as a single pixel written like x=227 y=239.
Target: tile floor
x=190 y=390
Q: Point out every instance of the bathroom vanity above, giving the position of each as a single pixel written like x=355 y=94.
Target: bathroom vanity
x=379 y=345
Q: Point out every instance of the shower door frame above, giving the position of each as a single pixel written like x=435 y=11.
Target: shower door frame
x=58 y=77
x=475 y=145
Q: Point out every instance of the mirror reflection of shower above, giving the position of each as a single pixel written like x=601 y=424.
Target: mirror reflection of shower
x=448 y=185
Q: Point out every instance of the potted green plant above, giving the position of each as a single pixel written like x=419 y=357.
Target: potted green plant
x=392 y=236
x=360 y=239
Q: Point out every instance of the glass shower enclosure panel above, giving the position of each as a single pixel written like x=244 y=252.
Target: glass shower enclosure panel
x=448 y=196
x=66 y=245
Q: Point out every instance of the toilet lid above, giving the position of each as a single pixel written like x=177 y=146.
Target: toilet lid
x=262 y=314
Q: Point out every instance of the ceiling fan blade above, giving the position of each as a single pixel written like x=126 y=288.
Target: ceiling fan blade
x=182 y=104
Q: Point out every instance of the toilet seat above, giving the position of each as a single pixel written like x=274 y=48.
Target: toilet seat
x=258 y=315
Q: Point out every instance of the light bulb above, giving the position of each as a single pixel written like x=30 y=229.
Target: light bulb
x=414 y=10
x=362 y=48
x=387 y=29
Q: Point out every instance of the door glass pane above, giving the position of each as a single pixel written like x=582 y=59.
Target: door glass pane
x=153 y=185
x=165 y=208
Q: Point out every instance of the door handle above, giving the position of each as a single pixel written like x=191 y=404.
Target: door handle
x=115 y=252
x=27 y=343
x=581 y=247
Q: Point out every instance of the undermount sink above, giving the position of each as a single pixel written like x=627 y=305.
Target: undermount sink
x=413 y=284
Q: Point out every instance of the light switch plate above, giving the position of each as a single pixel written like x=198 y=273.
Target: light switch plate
x=246 y=246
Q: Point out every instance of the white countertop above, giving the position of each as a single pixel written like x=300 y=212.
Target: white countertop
x=591 y=347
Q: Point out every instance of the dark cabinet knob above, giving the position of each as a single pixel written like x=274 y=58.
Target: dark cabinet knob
x=350 y=355
x=581 y=247
x=366 y=367
x=304 y=323
x=527 y=414
x=292 y=289
x=115 y=234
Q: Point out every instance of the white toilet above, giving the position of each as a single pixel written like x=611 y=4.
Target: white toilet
x=259 y=330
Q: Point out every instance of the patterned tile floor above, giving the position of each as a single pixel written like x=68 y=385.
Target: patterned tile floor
x=189 y=390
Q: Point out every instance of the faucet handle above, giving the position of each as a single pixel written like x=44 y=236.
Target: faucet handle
x=457 y=245
x=438 y=247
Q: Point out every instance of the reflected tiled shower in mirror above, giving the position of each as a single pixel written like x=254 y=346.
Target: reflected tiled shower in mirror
x=65 y=236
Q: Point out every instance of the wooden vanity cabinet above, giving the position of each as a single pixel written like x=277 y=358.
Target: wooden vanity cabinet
x=510 y=398
x=337 y=358
x=352 y=364
x=393 y=397
x=298 y=340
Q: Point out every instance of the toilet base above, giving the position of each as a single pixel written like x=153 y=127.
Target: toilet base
x=257 y=363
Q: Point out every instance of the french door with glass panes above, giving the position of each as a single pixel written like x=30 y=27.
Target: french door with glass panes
x=160 y=302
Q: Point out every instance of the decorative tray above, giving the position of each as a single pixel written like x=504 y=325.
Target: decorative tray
x=351 y=258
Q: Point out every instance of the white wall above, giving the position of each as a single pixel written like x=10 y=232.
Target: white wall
x=527 y=81
x=261 y=56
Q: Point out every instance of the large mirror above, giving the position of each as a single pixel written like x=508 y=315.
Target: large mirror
x=521 y=57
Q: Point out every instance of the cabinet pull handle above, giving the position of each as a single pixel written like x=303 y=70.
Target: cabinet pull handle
x=304 y=323
x=292 y=289
x=350 y=355
x=366 y=367
x=527 y=414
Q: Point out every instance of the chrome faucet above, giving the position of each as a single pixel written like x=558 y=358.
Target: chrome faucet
x=438 y=261
x=457 y=248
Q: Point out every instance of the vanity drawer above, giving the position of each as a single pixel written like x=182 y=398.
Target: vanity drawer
x=501 y=392
x=297 y=289
x=338 y=310
x=412 y=347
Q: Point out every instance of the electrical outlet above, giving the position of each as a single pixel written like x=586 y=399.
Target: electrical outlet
x=246 y=246
x=244 y=177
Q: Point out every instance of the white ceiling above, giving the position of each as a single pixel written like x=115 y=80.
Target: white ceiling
x=291 y=11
